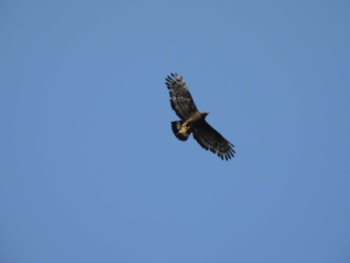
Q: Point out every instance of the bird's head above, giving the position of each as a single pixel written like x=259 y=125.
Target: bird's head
x=204 y=114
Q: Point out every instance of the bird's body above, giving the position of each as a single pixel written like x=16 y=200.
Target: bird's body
x=192 y=121
x=185 y=126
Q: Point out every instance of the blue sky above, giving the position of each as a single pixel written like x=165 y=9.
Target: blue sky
x=91 y=171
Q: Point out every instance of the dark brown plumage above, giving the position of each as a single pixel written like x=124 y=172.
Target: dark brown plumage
x=192 y=121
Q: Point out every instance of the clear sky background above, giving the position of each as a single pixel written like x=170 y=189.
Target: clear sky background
x=91 y=172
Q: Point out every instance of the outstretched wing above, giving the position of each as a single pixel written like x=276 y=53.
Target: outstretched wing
x=180 y=98
x=211 y=140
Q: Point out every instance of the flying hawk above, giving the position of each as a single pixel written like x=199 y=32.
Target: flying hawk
x=193 y=121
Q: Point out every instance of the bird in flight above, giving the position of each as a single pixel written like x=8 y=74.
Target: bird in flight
x=193 y=121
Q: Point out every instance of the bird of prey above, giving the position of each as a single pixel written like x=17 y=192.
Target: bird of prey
x=193 y=121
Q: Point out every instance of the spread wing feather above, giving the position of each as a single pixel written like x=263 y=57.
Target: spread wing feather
x=180 y=98
x=211 y=140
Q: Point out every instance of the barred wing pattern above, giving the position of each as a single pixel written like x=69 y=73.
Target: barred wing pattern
x=211 y=140
x=180 y=98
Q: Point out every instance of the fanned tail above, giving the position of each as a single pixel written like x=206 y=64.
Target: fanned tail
x=182 y=135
